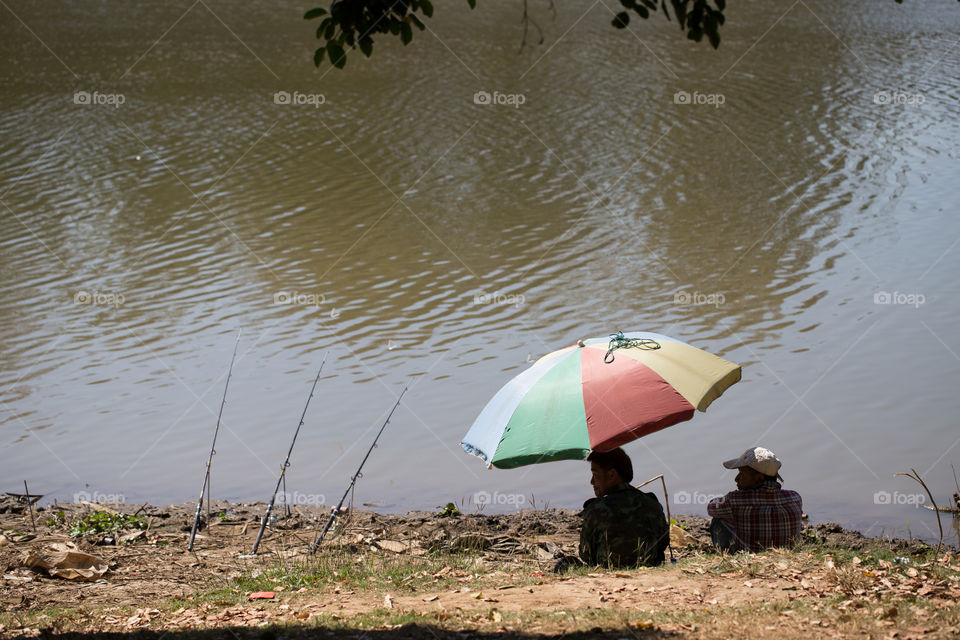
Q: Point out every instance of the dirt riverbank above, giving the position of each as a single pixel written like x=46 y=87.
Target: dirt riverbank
x=441 y=573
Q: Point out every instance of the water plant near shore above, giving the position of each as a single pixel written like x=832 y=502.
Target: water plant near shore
x=105 y=522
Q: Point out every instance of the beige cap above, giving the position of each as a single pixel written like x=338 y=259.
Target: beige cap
x=758 y=459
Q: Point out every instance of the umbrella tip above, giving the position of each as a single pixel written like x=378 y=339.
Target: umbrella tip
x=580 y=343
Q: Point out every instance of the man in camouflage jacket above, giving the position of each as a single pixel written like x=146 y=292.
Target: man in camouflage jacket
x=622 y=526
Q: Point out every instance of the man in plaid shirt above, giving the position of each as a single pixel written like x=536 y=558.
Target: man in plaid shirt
x=759 y=514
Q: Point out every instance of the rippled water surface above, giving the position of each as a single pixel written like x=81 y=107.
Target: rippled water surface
x=410 y=233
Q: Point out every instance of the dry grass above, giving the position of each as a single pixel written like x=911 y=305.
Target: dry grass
x=354 y=588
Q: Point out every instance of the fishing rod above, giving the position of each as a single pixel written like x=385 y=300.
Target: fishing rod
x=206 y=476
x=353 y=480
x=286 y=462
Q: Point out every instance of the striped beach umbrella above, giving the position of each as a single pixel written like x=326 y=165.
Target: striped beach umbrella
x=596 y=395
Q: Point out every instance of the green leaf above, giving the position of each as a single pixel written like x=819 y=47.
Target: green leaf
x=314 y=13
x=337 y=57
x=621 y=20
x=406 y=33
x=721 y=4
x=680 y=10
x=366 y=45
x=695 y=34
x=696 y=16
x=323 y=27
x=472 y=3
x=331 y=29
x=711 y=28
x=643 y=11
x=427 y=8
x=415 y=20
x=318 y=56
x=714 y=38
x=628 y=4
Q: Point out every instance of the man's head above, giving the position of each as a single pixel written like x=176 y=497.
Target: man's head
x=608 y=469
x=755 y=466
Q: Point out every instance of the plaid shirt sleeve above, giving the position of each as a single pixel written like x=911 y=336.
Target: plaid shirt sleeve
x=720 y=508
x=765 y=517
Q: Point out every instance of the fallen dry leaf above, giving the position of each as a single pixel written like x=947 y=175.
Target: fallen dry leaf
x=393 y=545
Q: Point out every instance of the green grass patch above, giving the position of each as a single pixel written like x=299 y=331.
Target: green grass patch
x=105 y=522
x=335 y=568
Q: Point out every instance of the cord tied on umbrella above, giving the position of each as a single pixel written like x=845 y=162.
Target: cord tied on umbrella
x=620 y=341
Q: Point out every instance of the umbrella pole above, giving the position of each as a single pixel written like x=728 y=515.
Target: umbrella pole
x=666 y=501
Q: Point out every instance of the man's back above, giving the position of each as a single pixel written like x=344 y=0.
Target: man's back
x=764 y=517
x=624 y=528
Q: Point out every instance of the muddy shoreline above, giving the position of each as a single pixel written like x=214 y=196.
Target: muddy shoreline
x=152 y=553
x=173 y=522
x=423 y=564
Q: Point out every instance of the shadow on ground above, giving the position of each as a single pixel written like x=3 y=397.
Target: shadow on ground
x=404 y=632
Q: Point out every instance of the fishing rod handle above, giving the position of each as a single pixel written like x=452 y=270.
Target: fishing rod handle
x=263 y=523
x=196 y=521
x=326 y=528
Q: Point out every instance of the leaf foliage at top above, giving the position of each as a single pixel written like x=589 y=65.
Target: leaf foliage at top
x=352 y=24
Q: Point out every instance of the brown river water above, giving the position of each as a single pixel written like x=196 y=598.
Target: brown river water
x=448 y=211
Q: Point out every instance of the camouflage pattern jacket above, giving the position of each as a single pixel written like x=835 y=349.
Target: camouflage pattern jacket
x=625 y=528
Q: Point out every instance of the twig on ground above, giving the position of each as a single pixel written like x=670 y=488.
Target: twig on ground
x=666 y=502
x=916 y=476
x=33 y=521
